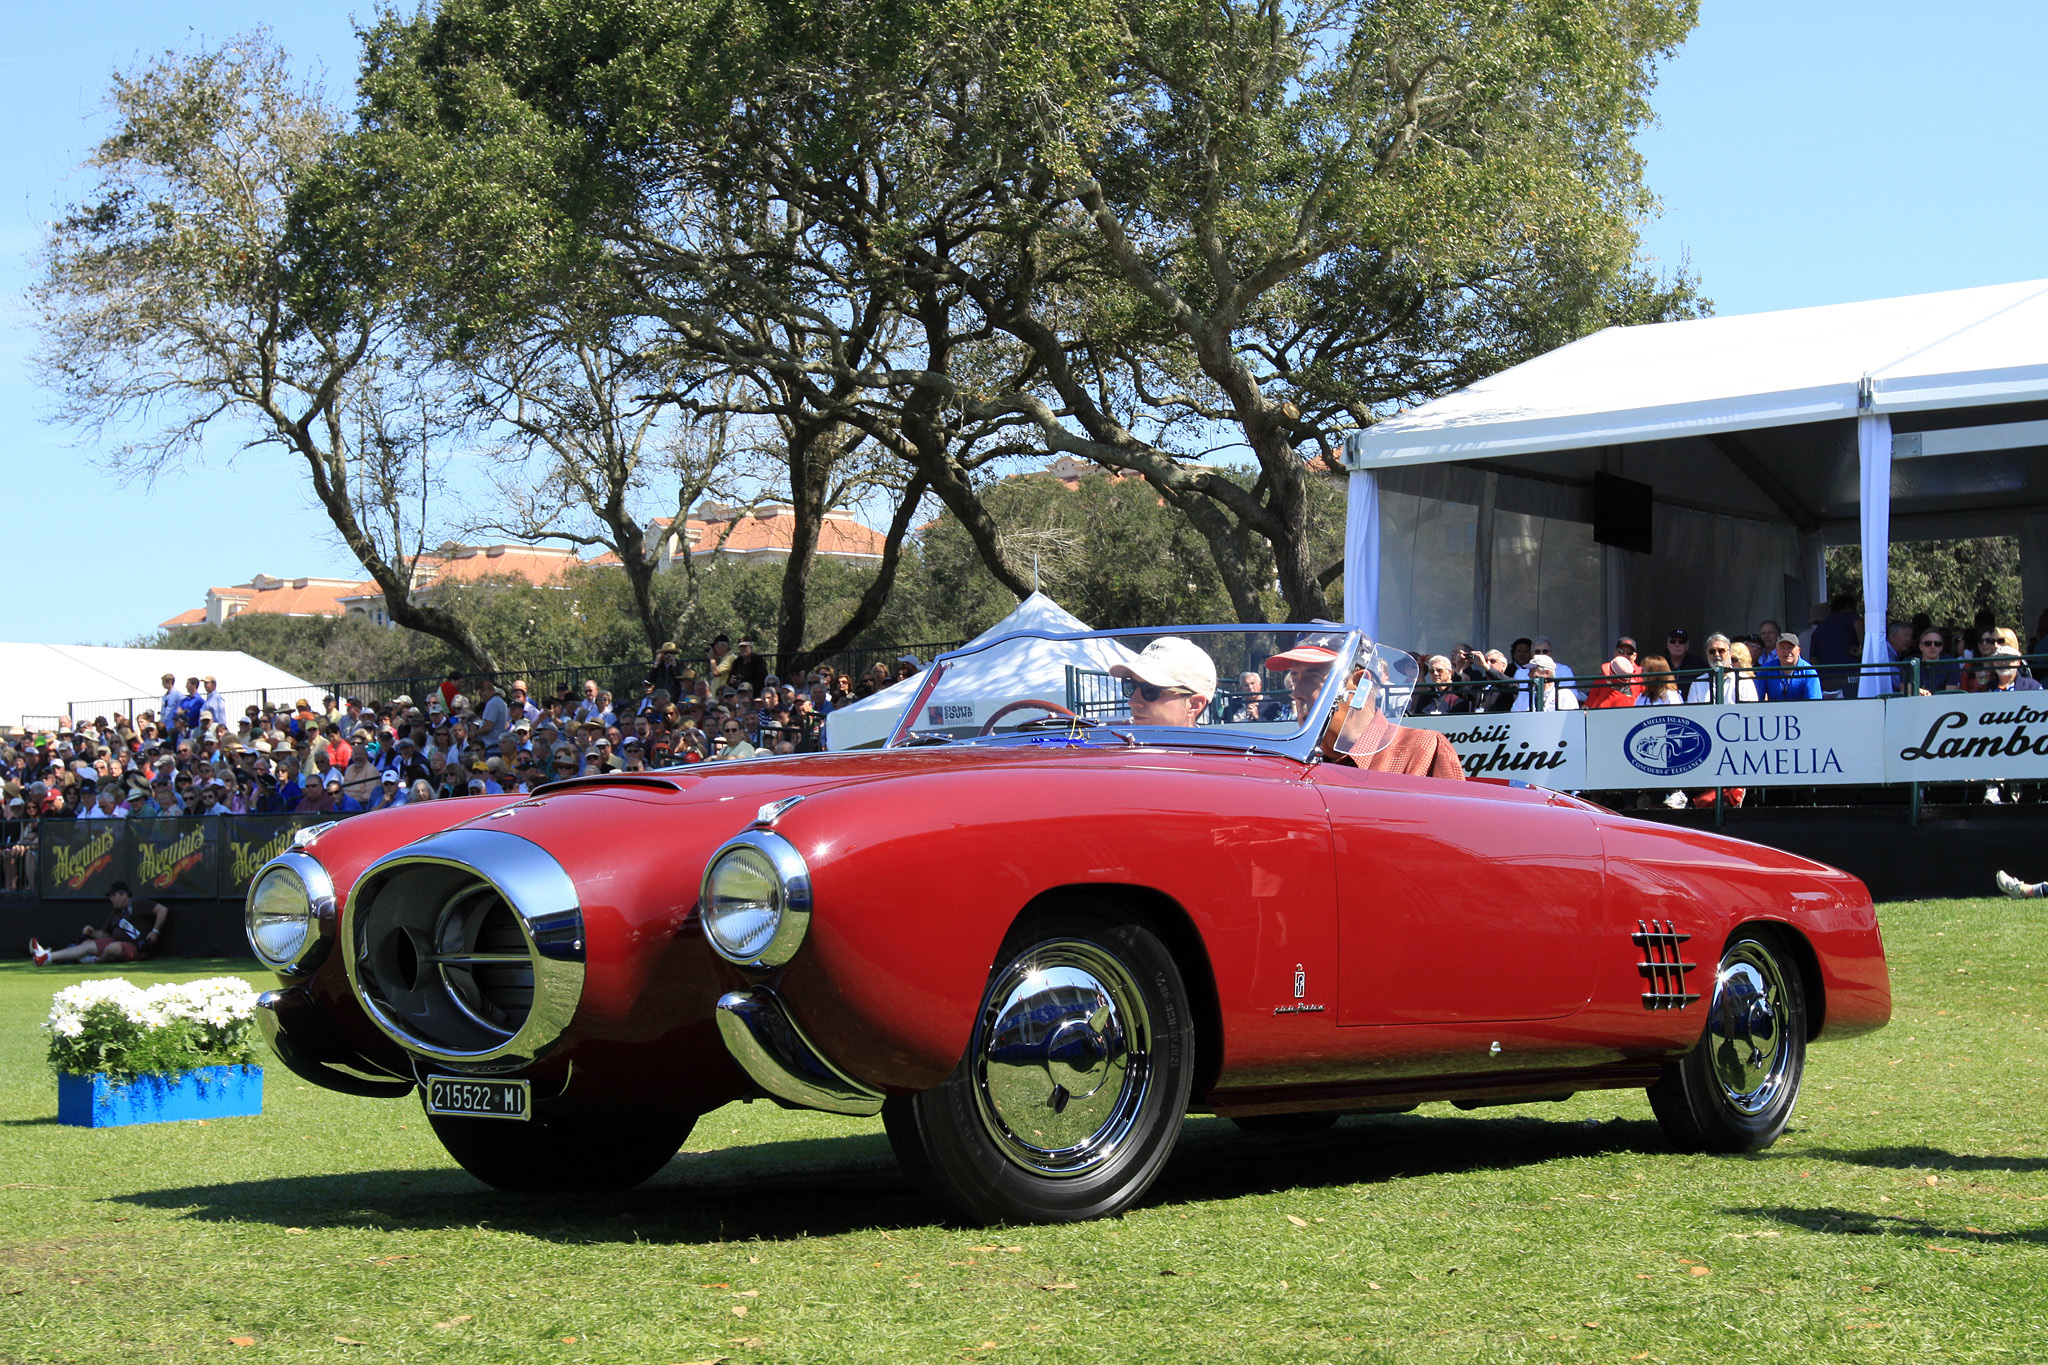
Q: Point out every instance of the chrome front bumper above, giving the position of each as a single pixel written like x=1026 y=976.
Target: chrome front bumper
x=766 y=1042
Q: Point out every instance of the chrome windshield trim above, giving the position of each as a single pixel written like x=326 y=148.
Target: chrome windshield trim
x=1301 y=745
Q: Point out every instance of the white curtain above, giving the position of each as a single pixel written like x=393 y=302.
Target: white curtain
x=1362 y=551
x=1874 y=461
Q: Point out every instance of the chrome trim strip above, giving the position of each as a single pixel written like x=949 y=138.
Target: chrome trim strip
x=795 y=876
x=319 y=888
x=766 y=1042
x=543 y=899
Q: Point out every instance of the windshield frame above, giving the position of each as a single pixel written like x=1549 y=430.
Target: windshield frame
x=1302 y=745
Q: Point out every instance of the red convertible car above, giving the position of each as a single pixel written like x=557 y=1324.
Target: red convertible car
x=1089 y=884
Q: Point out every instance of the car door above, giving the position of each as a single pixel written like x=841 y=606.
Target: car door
x=1459 y=902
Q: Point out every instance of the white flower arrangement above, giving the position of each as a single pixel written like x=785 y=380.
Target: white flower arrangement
x=114 y=1026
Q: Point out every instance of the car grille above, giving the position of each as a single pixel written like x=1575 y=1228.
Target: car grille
x=450 y=965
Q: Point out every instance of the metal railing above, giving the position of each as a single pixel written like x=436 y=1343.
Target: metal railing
x=624 y=679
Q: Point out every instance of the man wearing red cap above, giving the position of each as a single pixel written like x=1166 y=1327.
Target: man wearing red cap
x=1374 y=742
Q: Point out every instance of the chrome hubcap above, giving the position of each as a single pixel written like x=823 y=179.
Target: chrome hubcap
x=1063 y=1058
x=1748 y=1028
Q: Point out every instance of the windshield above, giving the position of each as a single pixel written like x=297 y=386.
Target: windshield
x=1271 y=688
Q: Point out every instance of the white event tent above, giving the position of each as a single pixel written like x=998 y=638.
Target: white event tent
x=1764 y=438
x=39 y=682
x=1022 y=668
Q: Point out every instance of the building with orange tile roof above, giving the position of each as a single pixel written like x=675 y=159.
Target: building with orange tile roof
x=264 y=595
x=714 y=530
x=539 y=565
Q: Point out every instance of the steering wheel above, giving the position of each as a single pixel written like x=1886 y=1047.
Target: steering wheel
x=1023 y=704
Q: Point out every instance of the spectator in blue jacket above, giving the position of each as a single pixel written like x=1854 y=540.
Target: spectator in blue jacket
x=1791 y=680
x=2006 y=675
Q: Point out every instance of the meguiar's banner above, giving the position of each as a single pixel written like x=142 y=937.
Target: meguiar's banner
x=175 y=857
x=251 y=841
x=193 y=857
x=80 y=859
x=1966 y=737
x=1766 y=744
x=1547 y=748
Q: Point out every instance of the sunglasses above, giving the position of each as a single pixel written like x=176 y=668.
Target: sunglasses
x=1151 y=692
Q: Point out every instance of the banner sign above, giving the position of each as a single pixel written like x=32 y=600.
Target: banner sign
x=1547 y=748
x=1966 y=737
x=250 y=841
x=195 y=857
x=1768 y=744
x=175 y=857
x=80 y=859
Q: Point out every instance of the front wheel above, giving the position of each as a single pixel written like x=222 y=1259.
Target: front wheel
x=586 y=1150
x=1734 y=1090
x=1070 y=1095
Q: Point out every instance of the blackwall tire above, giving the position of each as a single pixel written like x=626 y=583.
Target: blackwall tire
x=1735 y=1089
x=553 y=1152
x=1070 y=1095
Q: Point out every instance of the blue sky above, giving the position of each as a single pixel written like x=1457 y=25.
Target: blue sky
x=1810 y=152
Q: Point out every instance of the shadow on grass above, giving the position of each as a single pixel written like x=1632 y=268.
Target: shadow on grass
x=1855 y=1222
x=826 y=1186
x=47 y=1120
x=1918 y=1159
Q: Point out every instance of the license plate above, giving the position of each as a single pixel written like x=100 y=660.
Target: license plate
x=476 y=1098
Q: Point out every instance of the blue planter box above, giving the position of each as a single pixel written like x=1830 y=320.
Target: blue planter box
x=211 y=1092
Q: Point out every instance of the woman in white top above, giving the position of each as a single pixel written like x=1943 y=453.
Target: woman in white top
x=1735 y=684
x=1659 y=688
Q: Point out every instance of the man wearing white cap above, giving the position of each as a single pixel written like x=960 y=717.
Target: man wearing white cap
x=1170 y=683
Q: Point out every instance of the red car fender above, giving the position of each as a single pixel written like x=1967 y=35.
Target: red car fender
x=916 y=883
x=1666 y=872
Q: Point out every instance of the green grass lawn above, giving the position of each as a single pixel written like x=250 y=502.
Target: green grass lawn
x=1904 y=1217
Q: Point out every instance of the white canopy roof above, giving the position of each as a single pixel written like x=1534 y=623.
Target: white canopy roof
x=37 y=682
x=1674 y=379
x=1022 y=668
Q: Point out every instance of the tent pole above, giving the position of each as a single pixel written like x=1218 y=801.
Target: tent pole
x=1874 y=464
x=1482 y=563
x=1361 y=546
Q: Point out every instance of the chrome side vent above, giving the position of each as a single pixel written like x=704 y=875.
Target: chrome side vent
x=1659 y=946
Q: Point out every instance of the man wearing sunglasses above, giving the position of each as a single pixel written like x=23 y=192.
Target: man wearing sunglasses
x=1170 y=683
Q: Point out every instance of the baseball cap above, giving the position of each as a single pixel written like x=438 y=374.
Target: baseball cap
x=1310 y=651
x=391 y=777
x=1172 y=661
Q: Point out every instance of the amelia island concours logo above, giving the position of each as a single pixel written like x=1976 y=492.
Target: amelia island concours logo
x=1665 y=746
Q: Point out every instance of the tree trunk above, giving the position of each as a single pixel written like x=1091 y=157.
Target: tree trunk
x=877 y=595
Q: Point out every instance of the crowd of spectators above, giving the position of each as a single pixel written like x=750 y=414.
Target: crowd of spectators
x=1767 y=664
x=187 y=756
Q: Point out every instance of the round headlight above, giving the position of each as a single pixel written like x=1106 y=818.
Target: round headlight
x=291 y=903
x=756 y=900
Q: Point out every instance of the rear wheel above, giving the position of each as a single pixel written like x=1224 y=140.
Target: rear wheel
x=1070 y=1095
x=586 y=1150
x=1734 y=1090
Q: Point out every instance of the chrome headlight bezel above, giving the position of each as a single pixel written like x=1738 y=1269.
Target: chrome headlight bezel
x=316 y=891
x=792 y=878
